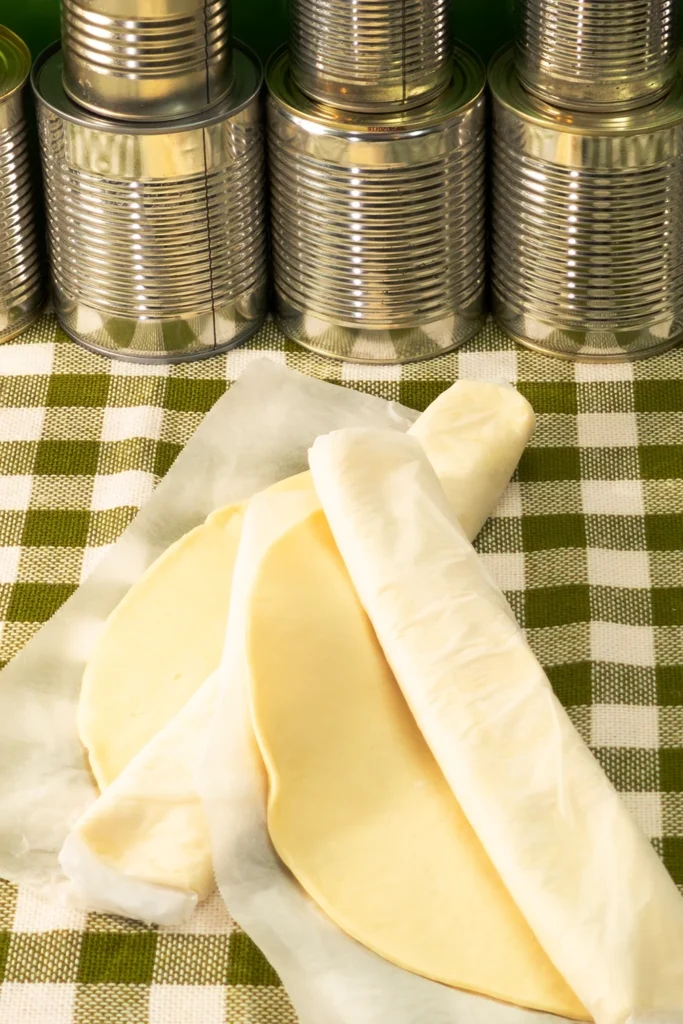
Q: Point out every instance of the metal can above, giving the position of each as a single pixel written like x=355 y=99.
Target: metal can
x=587 y=254
x=378 y=221
x=156 y=232
x=370 y=55
x=147 y=60
x=597 y=54
x=21 y=286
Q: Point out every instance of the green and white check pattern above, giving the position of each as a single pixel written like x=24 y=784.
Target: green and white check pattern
x=588 y=545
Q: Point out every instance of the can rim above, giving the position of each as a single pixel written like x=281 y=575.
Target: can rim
x=402 y=123
x=509 y=92
x=23 y=51
x=223 y=110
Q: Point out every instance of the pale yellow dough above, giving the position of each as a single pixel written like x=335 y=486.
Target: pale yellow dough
x=358 y=809
x=161 y=642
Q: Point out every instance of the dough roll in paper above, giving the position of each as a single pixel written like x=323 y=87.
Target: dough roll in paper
x=584 y=876
x=166 y=636
x=137 y=724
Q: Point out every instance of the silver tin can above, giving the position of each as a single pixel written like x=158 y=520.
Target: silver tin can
x=597 y=54
x=156 y=232
x=21 y=286
x=378 y=221
x=587 y=253
x=370 y=55
x=146 y=59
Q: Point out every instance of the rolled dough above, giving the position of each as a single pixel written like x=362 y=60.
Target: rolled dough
x=358 y=808
x=586 y=878
x=166 y=636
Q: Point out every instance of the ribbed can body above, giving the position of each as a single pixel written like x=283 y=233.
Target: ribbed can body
x=21 y=283
x=378 y=232
x=157 y=241
x=587 y=253
x=370 y=54
x=597 y=54
x=146 y=59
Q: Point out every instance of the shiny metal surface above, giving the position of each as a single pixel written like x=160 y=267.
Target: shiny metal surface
x=21 y=286
x=597 y=54
x=587 y=253
x=378 y=221
x=370 y=55
x=157 y=237
x=146 y=59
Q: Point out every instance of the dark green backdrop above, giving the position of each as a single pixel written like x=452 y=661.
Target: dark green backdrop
x=484 y=24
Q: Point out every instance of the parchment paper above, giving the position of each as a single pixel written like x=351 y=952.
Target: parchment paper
x=255 y=435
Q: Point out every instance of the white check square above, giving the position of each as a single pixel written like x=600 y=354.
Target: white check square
x=617 y=725
x=9 y=564
x=510 y=504
x=507 y=569
x=238 y=359
x=646 y=808
x=607 y=430
x=37 y=1003
x=133 y=421
x=612 y=497
x=15 y=492
x=120 y=490
x=190 y=1004
x=608 y=568
x=34 y=914
x=488 y=365
x=26 y=360
x=21 y=424
x=622 y=645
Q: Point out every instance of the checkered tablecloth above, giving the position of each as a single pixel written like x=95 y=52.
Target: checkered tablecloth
x=588 y=546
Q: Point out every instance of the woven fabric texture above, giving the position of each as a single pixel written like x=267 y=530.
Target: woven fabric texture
x=588 y=546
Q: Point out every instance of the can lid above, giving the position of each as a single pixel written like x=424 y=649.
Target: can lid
x=468 y=81
x=46 y=79
x=15 y=62
x=509 y=92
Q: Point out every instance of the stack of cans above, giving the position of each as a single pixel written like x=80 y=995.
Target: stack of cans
x=153 y=160
x=377 y=146
x=21 y=287
x=588 y=179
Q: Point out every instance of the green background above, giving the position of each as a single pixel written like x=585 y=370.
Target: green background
x=484 y=24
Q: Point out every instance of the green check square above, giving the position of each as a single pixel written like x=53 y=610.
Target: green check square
x=667 y=606
x=658 y=395
x=661 y=461
x=555 y=531
x=418 y=394
x=550 y=464
x=56 y=527
x=192 y=395
x=5 y=939
x=672 y=849
x=67 y=457
x=120 y=959
x=572 y=683
x=605 y=396
x=37 y=602
x=85 y=390
x=247 y=964
x=556 y=606
x=550 y=396
x=664 y=533
x=165 y=455
x=671 y=769
x=630 y=770
x=669 y=685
